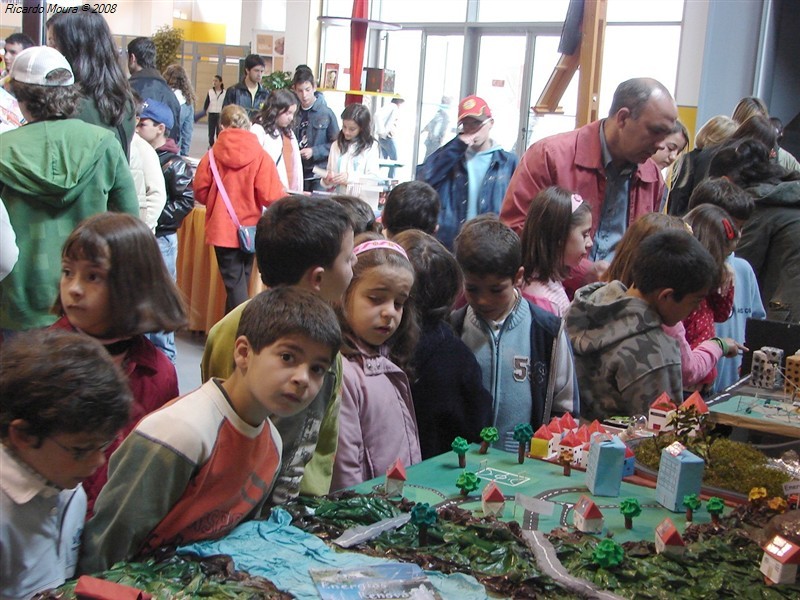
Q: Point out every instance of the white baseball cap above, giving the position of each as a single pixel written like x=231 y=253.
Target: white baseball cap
x=42 y=65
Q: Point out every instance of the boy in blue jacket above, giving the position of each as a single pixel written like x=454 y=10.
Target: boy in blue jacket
x=524 y=353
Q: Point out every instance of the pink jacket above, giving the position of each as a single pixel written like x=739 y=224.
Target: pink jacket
x=698 y=365
x=573 y=160
x=377 y=424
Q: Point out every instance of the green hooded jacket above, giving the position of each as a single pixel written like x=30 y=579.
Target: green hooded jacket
x=54 y=174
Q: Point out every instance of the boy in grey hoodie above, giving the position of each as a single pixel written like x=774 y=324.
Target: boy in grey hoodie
x=623 y=358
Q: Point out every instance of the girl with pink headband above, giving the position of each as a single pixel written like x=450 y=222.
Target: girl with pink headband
x=556 y=237
x=377 y=423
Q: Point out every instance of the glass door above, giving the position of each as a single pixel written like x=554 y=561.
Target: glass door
x=440 y=89
x=501 y=66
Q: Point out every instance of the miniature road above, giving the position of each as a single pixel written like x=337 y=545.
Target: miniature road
x=548 y=562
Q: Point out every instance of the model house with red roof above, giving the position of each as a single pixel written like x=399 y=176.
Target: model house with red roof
x=395 y=479
x=555 y=428
x=695 y=401
x=659 y=414
x=568 y=422
x=629 y=463
x=668 y=539
x=583 y=433
x=604 y=469
x=543 y=443
x=492 y=500
x=586 y=517
x=780 y=560
x=596 y=427
x=571 y=443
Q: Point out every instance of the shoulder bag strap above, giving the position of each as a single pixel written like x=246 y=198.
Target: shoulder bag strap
x=221 y=188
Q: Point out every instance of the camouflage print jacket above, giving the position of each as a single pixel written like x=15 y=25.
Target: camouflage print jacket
x=623 y=358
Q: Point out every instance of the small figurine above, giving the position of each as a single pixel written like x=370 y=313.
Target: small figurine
x=489 y=435
x=668 y=540
x=780 y=560
x=395 y=479
x=423 y=515
x=571 y=443
x=630 y=508
x=492 y=500
x=608 y=553
x=715 y=506
x=467 y=482
x=460 y=447
x=692 y=503
x=565 y=460
x=586 y=517
x=522 y=434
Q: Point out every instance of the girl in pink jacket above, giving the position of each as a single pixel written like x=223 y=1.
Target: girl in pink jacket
x=377 y=424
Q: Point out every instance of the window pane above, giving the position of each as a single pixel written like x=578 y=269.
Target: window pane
x=403 y=56
x=338 y=8
x=631 y=51
x=500 y=66
x=522 y=11
x=442 y=82
x=423 y=11
x=622 y=11
x=544 y=60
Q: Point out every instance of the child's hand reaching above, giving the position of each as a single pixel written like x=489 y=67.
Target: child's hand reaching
x=731 y=348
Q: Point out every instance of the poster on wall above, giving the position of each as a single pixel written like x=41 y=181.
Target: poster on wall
x=270 y=45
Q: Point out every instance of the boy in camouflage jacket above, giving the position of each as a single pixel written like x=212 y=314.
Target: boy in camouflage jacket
x=623 y=358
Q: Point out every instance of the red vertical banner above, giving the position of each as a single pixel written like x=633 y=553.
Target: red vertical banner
x=358 y=42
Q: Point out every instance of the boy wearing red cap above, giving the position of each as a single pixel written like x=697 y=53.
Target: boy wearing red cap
x=471 y=172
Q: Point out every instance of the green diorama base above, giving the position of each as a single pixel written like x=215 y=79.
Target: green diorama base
x=434 y=481
x=734 y=466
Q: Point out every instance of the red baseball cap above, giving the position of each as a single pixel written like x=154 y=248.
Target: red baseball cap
x=475 y=107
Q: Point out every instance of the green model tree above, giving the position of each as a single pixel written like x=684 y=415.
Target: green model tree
x=467 y=482
x=715 y=506
x=489 y=435
x=460 y=447
x=608 y=553
x=522 y=434
x=423 y=515
x=692 y=503
x=630 y=508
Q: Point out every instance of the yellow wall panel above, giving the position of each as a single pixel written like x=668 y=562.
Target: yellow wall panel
x=688 y=116
x=197 y=31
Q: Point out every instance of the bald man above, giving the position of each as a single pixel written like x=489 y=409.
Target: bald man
x=607 y=162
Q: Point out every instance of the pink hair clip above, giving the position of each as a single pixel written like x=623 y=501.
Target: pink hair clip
x=376 y=244
x=576 y=202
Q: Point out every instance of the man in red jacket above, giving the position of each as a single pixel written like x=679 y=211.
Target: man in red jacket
x=606 y=162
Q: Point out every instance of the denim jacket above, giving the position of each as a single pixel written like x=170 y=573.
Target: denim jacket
x=446 y=171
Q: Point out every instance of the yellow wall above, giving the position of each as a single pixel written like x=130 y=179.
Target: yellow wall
x=688 y=116
x=197 y=31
